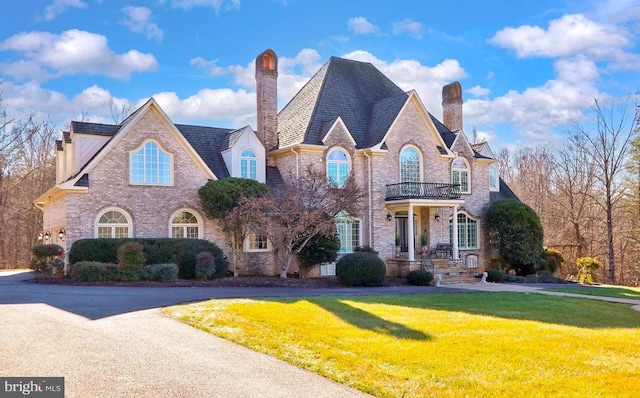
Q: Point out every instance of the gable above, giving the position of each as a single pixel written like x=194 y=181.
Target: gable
x=235 y=144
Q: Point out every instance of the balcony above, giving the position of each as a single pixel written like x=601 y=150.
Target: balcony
x=422 y=190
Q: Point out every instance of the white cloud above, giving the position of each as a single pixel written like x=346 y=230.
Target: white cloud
x=478 y=91
x=73 y=52
x=360 y=26
x=217 y=5
x=138 y=20
x=210 y=66
x=568 y=36
x=408 y=26
x=60 y=6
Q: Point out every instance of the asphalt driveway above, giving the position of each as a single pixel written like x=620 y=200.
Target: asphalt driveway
x=115 y=342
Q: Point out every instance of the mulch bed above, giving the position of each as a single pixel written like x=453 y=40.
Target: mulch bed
x=242 y=281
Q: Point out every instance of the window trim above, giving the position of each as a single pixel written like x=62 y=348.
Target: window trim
x=349 y=220
x=338 y=163
x=477 y=229
x=97 y=225
x=495 y=187
x=161 y=149
x=249 y=159
x=247 y=242
x=420 y=162
x=195 y=214
x=457 y=169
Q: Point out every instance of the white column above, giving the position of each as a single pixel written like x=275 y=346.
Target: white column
x=410 y=237
x=455 y=232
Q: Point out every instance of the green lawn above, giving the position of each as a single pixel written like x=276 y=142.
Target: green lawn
x=444 y=345
x=607 y=291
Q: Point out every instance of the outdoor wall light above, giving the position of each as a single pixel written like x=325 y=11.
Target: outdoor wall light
x=62 y=233
x=40 y=236
x=47 y=235
x=437 y=217
x=389 y=216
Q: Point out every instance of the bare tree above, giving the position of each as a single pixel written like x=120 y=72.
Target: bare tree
x=303 y=209
x=120 y=112
x=607 y=144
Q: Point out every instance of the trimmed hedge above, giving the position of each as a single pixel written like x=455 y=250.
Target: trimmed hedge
x=495 y=275
x=93 y=271
x=161 y=272
x=419 y=278
x=181 y=252
x=361 y=269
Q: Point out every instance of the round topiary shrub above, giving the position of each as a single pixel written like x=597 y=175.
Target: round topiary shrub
x=495 y=275
x=361 y=269
x=419 y=278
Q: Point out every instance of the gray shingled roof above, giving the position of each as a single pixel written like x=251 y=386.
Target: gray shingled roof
x=208 y=143
x=106 y=130
x=447 y=135
x=504 y=193
x=341 y=88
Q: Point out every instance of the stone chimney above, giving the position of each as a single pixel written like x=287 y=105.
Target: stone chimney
x=267 y=97
x=452 y=106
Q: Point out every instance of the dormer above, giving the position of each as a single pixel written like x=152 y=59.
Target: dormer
x=244 y=155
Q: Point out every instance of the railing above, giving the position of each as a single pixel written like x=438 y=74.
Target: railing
x=422 y=190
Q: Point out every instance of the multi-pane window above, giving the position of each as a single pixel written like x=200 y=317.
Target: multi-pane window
x=184 y=224
x=409 y=165
x=337 y=167
x=493 y=178
x=150 y=165
x=348 y=229
x=257 y=242
x=113 y=224
x=460 y=174
x=467 y=232
x=248 y=164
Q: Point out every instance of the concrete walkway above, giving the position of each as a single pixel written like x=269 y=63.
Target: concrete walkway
x=539 y=288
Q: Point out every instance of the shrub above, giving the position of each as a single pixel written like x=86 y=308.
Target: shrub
x=361 y=269
x=587 y=266
x=131 y=260
x=419 y=278
x=365 y=248
x=320 y=249
x=550 y=260
x=46 y=259
x=495 y=275
x=92 y=271
x=161 y=272
x=205 y=266
x=181 y=252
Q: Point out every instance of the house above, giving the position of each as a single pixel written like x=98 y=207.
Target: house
x=421 y=177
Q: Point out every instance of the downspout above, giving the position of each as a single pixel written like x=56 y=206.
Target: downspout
x=297 y=163
x=370 y=199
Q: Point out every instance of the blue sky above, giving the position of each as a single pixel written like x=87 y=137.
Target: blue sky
x=530 y=69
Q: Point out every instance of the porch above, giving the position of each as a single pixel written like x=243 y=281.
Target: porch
x=422 y=213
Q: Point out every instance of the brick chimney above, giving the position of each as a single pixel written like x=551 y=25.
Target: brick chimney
x=267 y=97
x=452 y=106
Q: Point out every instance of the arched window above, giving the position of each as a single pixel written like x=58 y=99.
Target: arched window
x=185 y=224
x=494 y=184
x=337 y=167
x=113 y=223
x=348 y=229
x=150 y=165
x=460 y=174
x=467 y=232
x=409 y=165
x=248 y=164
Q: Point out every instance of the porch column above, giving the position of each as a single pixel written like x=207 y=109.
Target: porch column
x=410 y=237
x=454 y=236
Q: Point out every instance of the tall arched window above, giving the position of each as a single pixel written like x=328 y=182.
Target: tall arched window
x=460 y=174
x=150 y=165
x=185 y=224
x=494 y=184
x=467 y=232
x=409 y=165
x=113 y=223
x=337 y=167
x=248 y=164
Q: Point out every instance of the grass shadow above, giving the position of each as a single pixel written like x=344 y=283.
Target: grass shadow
x=366 y=320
